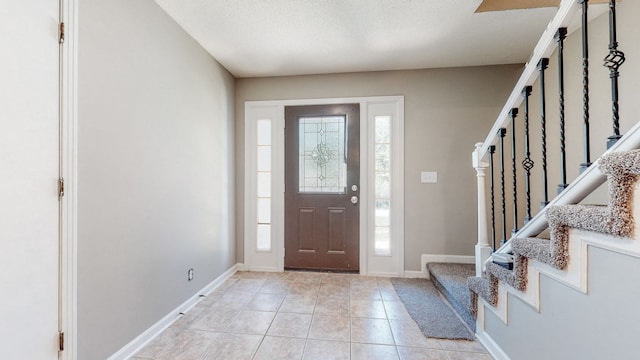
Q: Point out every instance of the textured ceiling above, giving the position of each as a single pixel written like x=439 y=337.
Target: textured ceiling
x=255 y=38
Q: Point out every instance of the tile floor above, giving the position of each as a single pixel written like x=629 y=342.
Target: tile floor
x=302 y=315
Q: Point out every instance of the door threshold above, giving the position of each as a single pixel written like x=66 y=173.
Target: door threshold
x=333 y=271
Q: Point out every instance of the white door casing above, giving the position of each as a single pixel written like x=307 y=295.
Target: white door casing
x=370 y=263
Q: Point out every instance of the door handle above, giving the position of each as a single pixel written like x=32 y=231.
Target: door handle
x=354 y=200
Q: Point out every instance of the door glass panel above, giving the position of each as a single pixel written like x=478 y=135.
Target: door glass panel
x=264 y=132
x=322 y=158
x=264 y=237
x=264 y=184
x=382 y=185
x=264 y=158
x=264 y=211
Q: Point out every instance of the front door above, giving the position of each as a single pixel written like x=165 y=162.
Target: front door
x=322 y=183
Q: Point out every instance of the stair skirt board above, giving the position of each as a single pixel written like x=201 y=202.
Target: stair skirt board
x=575 y=276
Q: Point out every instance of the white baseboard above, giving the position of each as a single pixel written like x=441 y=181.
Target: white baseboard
x=143 y=339
x=262 y=269
x=494 y=349
x=415 y=274
x=458 y=259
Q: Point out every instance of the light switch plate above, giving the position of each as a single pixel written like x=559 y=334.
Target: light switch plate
x=429 y=177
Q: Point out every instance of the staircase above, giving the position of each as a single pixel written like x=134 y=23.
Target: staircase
x=576 y=231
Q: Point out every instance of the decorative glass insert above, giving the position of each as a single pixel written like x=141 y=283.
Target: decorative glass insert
x=323 y=160
x=263 y=177
x=382 y=185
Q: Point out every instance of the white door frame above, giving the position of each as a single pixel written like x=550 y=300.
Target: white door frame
x=370 y=263
x=69 y=172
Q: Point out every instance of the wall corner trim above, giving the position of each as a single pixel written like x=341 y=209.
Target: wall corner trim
x=156 y=329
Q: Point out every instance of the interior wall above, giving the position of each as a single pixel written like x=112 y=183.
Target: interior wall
x=446 y=112
x=155 y=171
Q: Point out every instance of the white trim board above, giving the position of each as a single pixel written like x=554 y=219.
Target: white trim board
x=156 y=329
x=457 y=259
x=69 y=172
x=370 y=107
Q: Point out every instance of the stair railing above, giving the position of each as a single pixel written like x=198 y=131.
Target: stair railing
x=590 y=177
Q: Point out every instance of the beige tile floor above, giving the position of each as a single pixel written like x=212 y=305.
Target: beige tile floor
x=302 y=315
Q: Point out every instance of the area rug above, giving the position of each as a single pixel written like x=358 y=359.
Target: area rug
x=435 y=318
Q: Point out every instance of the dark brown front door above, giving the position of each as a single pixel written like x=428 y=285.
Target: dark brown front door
x=322 y=187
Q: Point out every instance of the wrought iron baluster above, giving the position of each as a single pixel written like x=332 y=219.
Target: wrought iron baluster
x=542 y=66
x=513 y=113
x=613 y=61
x=492 y=150
x=585 y=84
x=560 y=36
x=502 y=132
x=527 y=163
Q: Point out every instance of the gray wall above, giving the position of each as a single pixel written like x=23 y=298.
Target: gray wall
x=446 y=112
x=155 y=171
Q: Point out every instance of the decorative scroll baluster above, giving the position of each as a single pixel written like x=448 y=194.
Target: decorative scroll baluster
x=492 y=150
x=502 y=132
x=527 y=163
x=513 y=113
x=613 y=61
x=585 y=84
x=542 y=66
x=560 y=36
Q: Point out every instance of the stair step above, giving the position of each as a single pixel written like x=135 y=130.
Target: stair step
x=535 y=248
x=451 y=280
x=484 y=287
x=516 y=277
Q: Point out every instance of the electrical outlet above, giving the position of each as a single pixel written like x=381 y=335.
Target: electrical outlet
x=429 y=177
x=190 y=274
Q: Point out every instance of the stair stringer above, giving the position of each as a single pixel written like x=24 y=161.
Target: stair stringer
x=574 y=276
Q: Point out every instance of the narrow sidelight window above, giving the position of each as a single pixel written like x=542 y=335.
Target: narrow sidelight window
x=263 y=242
x=382 y=185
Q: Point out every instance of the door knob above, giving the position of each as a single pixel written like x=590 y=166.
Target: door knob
x=354 y=200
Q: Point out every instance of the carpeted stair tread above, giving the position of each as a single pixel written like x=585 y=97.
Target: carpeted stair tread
x=486 y=288
x=451 y=280
x=534 y=248
x=621 y=163
x=516 y=278
x=598 y=218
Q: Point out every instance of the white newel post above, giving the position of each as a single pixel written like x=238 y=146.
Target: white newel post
x=483 y=250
